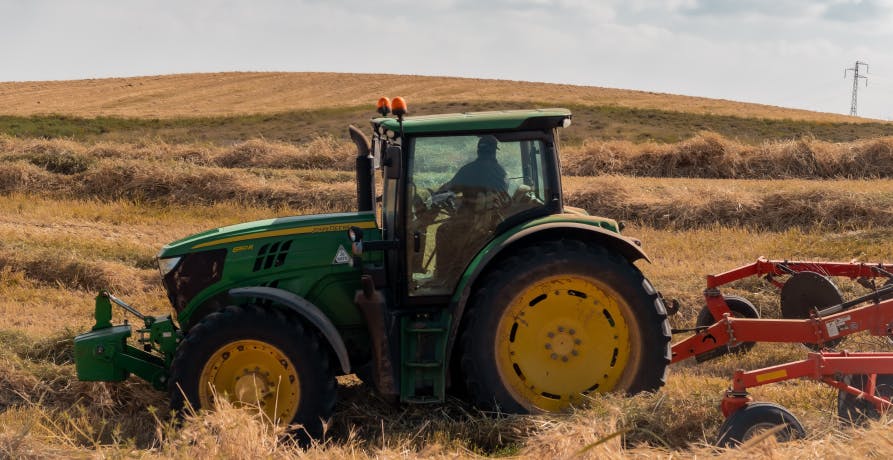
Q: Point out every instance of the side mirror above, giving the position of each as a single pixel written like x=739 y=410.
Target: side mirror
x=376 y=157
x=393 y=161
x=355 y=235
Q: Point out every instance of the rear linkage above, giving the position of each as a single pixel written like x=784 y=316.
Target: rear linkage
x=815 y=315
x=104 y=355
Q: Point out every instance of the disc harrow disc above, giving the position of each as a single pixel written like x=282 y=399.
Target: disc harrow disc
x=805 y=291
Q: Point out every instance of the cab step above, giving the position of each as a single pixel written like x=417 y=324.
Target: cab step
x=423 y=356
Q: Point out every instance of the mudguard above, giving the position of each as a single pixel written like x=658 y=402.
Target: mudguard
x=307 y=311
x=568 y=225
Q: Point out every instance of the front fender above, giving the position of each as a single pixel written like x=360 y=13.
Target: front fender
x=307 y=311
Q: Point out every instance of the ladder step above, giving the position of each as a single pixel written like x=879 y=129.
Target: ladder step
x=422 y=350
x=425 y=329
x=423 y=400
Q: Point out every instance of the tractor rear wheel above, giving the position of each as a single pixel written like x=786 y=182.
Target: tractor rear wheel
x=259 y=358
x=558 y=321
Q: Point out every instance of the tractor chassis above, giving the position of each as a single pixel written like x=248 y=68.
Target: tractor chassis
x=872 y=313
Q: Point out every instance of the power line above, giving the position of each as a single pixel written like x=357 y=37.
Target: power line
x=856 y=78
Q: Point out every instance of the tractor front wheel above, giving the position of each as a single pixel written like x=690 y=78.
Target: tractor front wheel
x=558 y=321
x=259 y=358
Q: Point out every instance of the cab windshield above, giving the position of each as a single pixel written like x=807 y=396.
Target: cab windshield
x=460 y=189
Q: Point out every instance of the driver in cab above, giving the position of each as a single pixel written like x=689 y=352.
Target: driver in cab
x=482 y=190
x=482 y=176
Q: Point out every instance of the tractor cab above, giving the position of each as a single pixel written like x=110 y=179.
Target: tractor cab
x=454 y=182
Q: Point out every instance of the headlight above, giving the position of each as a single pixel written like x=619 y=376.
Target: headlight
x=166 y=265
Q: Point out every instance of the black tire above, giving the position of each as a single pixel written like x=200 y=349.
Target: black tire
x=855 y=410
x=740 y=308
x=753 y=419
x=268 y=327
x=643 y=314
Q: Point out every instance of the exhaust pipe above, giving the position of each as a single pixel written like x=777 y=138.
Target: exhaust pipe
x=365 y=170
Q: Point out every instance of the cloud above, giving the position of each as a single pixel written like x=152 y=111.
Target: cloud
x=793 y=10
x=858 y=11
x=775 y=8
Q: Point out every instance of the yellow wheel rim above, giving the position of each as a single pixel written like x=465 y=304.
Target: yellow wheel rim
x=254 y=373
x=562 y=338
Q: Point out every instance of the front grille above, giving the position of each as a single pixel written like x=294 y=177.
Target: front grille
x=193 y=274
x=271 y=255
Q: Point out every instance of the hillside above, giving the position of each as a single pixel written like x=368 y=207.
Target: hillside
x=224 y=109
x=227 y=94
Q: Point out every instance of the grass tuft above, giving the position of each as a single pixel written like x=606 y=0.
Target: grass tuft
x=709 y=155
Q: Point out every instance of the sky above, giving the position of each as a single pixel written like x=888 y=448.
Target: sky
x=789 y=53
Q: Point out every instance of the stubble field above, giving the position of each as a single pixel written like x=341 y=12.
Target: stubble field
x=88 y=210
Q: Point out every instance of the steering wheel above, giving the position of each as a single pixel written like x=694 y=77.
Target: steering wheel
x=443 y=201
x=425 y=210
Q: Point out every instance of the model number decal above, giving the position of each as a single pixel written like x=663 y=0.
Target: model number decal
x=330 y=228
x=247 y=247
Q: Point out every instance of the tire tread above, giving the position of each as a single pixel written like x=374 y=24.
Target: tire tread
x=654 y=365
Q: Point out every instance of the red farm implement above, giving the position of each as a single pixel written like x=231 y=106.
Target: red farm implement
x=814 y=314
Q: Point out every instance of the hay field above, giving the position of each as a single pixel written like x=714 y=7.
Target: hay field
x=191 y=95
x=77 y=215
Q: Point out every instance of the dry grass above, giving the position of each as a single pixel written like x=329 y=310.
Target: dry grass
x=662 y=203
x=75 y=218
x=161 y=183
x=44 y=411
x=759 y=204
x=68 y=157
x=263 y=173
x=709 y=155
x=192 y=95
x=320 y=153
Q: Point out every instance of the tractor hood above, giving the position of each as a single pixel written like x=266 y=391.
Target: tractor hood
x=243 y=234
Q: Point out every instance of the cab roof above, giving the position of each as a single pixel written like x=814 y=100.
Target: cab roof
x=477 y=121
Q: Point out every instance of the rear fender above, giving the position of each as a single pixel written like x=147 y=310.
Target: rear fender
x=566 y=226
x=306 y=310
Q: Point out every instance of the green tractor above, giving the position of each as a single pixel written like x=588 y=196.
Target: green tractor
x=463 y=271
